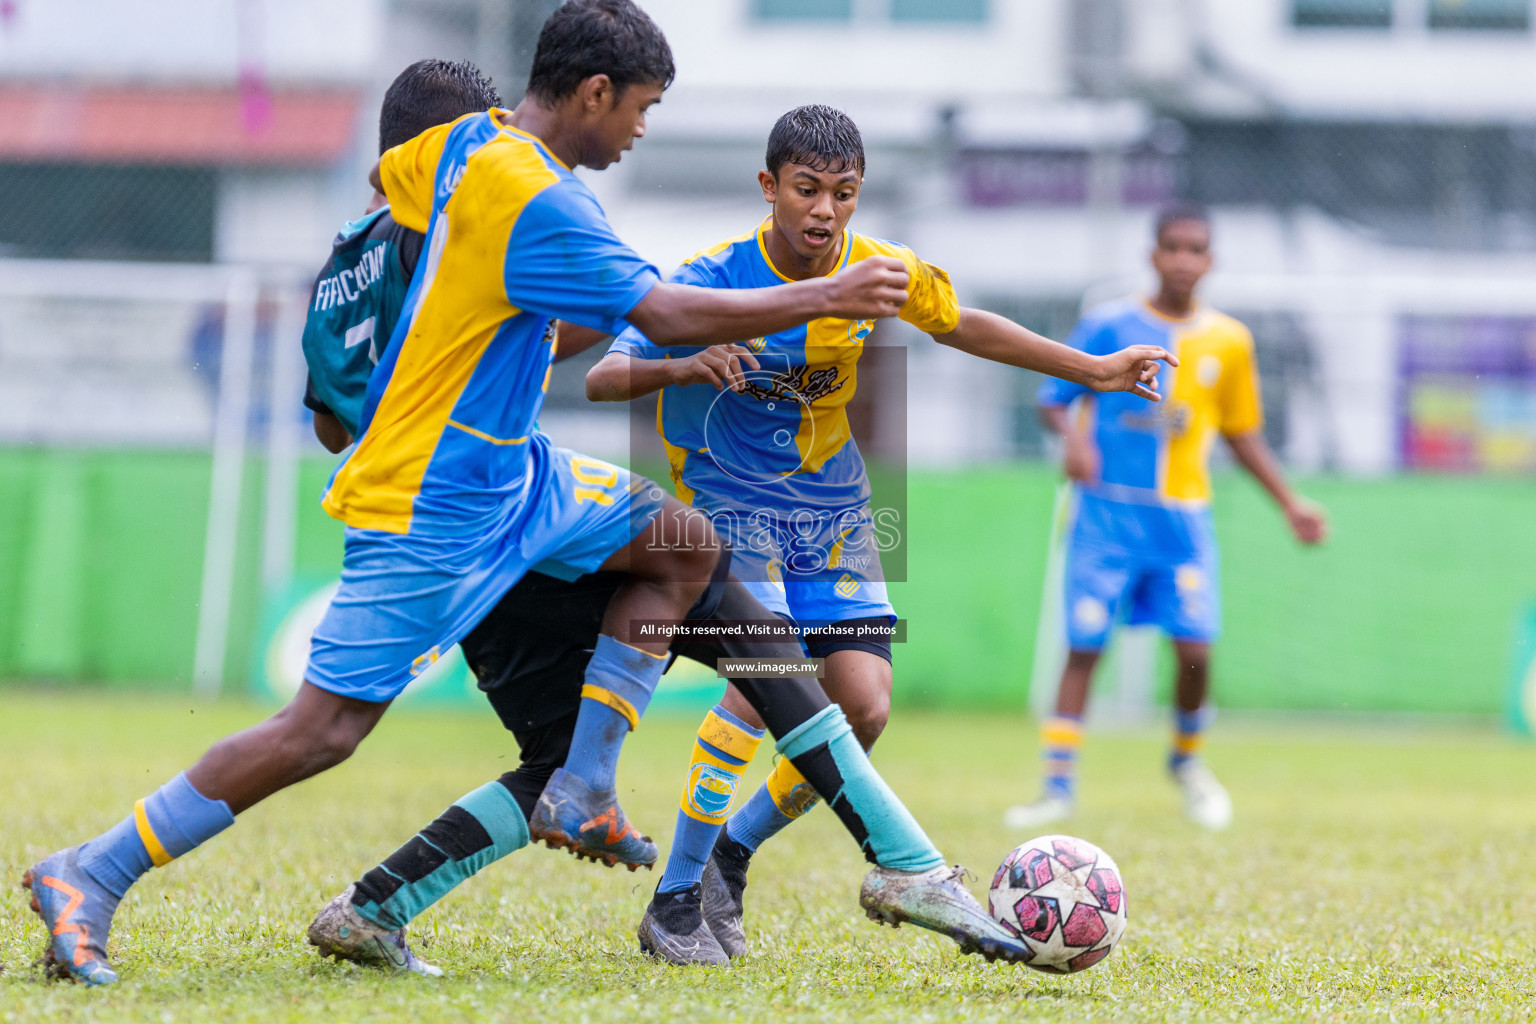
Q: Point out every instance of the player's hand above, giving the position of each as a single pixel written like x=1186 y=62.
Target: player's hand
x=869 y=289
x=1132 y=369
x=1307 y=520
x=1080 y=458
x=719 y=366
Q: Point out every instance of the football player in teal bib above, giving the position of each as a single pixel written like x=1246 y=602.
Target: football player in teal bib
x=451 y=496
x=758 y=437
x=1142 y=548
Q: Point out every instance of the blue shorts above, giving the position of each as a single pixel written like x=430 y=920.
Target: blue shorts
x=1175 y=587
x=816 y=568
x=404 y=600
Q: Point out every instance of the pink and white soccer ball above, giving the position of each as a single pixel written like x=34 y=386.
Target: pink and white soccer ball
x=1063 y=896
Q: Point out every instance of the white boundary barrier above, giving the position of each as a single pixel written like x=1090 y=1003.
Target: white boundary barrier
x=238 y=290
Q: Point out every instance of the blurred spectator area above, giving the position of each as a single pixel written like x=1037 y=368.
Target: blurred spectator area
x=1371 y=167
x=107 y=172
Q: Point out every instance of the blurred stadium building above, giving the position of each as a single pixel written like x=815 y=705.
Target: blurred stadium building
x=171 y=170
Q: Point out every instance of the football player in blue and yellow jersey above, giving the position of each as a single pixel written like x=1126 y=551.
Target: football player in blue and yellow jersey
x=1142 y=548
x=451 y=495
x=758 y=437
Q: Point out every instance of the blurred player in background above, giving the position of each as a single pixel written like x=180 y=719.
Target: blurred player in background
x=766 y=449
x=452 y=495
x=1142 y=547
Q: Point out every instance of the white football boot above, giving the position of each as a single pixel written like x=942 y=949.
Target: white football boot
x=938 y=899
x=1206 y=802
x=1045 y=811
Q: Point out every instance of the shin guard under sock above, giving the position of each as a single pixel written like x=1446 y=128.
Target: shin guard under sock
x=783 y=797
x=827 y=754
x=479 y=829
x=721 y=752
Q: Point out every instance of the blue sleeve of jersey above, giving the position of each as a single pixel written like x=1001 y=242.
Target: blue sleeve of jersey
x=563 y=260
x=632 y=343
x=1087 y=336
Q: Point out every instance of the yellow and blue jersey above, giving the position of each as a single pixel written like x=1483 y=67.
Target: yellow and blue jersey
x=1154 y=487
x=514 y=239
x=1159 y=453
x=784 y=443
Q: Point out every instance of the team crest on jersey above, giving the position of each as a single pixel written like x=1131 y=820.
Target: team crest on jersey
x=858 y=330
x=1171 y=418
x=756 y=345
x=450 y=180
x=798 y=383
x=710 y=790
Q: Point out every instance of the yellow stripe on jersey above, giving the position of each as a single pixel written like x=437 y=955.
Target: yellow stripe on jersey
x=677 y=458
x=716 y=250
x=833 y=345
x=463 y=302
x=836 y=344
x=1214 y=390
x=409 y=174
x=482 y=435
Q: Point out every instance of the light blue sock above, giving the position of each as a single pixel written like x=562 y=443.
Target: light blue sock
x=758 y=820
x=827 y=754
x=1189 y=735
x=714 y=774
x=619 y=683
x=480 y=828
x=169 y=822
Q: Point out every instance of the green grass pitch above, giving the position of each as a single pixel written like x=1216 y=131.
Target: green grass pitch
x=1370 y=876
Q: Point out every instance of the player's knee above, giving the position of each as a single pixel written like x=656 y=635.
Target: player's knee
x=868 y=718
x=1082 y=660
x=340 y=740
x=318 y=742
x=1193 y=659
x=696 y=563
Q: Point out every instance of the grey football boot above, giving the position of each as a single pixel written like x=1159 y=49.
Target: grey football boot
x=673 y=929
x=938 y=900
x=724 y=883
x=340 y=931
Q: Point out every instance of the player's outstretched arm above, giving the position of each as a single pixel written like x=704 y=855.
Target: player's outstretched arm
x=618 y=377
x=1307 y=519
x=679 y=314
x=574 y=339
x=999 y=339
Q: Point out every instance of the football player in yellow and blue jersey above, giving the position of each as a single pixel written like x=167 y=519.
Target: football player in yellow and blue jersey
x=1142 y=548
x=451 y=495
x=758 y=437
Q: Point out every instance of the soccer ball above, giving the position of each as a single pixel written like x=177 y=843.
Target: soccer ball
x=1063 y=897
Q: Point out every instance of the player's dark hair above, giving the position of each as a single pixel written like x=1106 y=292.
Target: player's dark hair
x=820 y=137
x=1181 y=210
x=598 y=37
x=430 y=93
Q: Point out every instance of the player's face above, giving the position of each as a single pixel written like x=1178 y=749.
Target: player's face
x=811 y=208
x=1182 y=255
x=617 y=120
